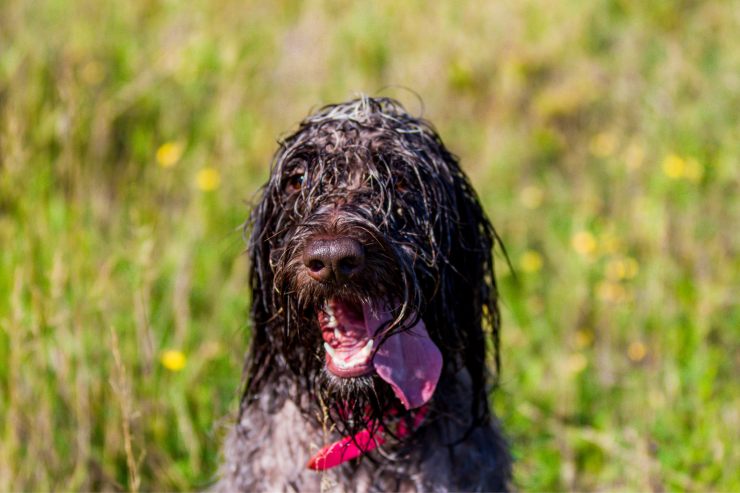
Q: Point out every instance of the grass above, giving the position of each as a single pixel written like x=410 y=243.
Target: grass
x=604 y=140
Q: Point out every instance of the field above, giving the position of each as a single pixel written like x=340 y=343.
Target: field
x=602 y=136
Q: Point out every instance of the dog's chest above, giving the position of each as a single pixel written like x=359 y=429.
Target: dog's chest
x=270 y=452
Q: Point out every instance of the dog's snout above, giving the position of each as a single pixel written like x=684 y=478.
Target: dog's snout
x=333 y=259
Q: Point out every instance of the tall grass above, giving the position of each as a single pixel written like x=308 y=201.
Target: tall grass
x=604 y=140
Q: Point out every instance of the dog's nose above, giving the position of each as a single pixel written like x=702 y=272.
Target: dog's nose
x=333 y=259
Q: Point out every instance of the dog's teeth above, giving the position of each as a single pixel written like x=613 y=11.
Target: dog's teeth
x=361 y=356
x=336 y=333
x=332 y=322
x=331 y=352
x=365 y=352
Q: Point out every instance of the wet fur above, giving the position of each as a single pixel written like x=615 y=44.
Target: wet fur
x=372 y=172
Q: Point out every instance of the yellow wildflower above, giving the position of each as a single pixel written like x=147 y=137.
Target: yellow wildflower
x=169 y=154
x=603 y=144
x=584 y=337
x=576 y=363
x=637 y=351
x=531 y=196
x=530 y=262
x=584 y=243
x=173 y=360
x=622 y=268
x=208 y=179
x=674 y=166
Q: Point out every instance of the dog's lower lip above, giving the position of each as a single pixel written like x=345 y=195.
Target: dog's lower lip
x=354 y=371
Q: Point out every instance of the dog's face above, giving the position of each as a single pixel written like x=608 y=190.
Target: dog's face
x=371 y=257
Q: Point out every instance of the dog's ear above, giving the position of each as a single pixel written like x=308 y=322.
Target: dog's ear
x=470 y=297
x=258 y=363
x=260 y=271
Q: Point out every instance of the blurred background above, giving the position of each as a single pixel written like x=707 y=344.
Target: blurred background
x=602 y=136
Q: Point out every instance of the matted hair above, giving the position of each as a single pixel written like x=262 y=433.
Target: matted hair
x=429 y=246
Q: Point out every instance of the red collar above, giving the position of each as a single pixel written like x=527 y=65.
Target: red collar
x=349 y=448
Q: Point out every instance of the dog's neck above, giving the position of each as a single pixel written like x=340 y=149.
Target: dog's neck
x=366 y=440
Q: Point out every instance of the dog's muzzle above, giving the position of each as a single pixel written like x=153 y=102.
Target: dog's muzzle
x=354 y=330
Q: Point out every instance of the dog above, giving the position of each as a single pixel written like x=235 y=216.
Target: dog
x=375 y=320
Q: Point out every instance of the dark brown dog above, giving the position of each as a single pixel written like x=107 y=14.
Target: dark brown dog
x=373 y=314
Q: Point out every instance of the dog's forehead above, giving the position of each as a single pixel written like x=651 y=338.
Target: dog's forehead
x=347 y=152
x=371 y=147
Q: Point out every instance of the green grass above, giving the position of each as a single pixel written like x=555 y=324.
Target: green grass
x=603 y=137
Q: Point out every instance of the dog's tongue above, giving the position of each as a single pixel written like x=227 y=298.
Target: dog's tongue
x=408 y=361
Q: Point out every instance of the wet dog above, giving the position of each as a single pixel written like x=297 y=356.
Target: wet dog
x=375 y=323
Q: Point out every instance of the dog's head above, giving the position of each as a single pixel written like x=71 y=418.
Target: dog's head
x=371 y=264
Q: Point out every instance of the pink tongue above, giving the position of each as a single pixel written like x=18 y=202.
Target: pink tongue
x=409 y=361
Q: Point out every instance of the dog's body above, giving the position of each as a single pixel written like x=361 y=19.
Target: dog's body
x=269 y=450
x=370 y=239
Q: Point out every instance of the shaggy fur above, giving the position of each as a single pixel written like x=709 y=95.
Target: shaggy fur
x=369 y=171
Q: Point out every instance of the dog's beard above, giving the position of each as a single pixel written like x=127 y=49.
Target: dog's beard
x=346 y=405
x=353 y=404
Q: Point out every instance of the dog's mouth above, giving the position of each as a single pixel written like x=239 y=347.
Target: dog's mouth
x=348 y=340
x=408 y=360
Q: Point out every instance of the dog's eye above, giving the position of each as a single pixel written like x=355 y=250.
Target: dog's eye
x=294 y=182
x=401 y=185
